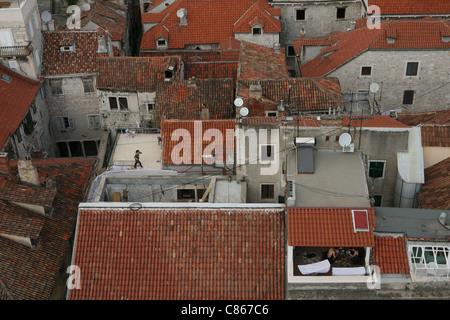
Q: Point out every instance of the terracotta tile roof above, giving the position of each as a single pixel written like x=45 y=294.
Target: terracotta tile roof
x=169 y=126
x=259 y=62
x=211 y=69
x=208 y=21
x=134 y=73
x=389 y=254
x=16 y=97
x=327 y=227
x=14 y=190
x=298 y=94
x=376 y=121
x=409 y=34
x=408 y=7
x=436 y=190
x=185 y=100
x=195 y=55
x=434 y=125
x=19 y=222
x=108 y=16
x=30 y=274
x=180 y=254
x=83 y=60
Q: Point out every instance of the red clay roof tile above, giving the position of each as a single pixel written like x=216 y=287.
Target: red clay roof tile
x=83 y=60
x=410 y=34
x=30 y=274
x=207 y=21
x=169 y=126
x=16 y=97
x=408 y=7
x=436 y=190
x=179 y=254
x=328 y=227
x=389 y=254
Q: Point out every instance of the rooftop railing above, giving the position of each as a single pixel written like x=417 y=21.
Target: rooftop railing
x=15 y=51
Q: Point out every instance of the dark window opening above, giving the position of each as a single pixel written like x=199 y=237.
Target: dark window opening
x=377 y=200
x=300 y=14
x=161 y=43
x=256 y=31
x=412 y=68
x=267 y=191
x=267 y=152
x=75 y=149
x=90 y=148
x=189 y=194
x=366 y=71
x=340 y=13
x=112 y=103
x=290 y=51
x=63 y=150
x=168 y=74
x=123 y=102
x=408 y=97
x=376 y=169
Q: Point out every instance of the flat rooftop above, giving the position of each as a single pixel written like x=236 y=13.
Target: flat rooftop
x=338 y=180
x=127 y=145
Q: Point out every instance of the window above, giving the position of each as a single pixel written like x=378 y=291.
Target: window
x=65 y=123
x=340 y=13
x=150 y=107
x=290 y=51
x=94 y=121
x=123 y=103
x=378 y=200
x=90 y=148
x=390 y=40
x=376 y=169
x=118 y=102
x=366 y=71
x=76 y=150
x=300 y=14
x=412 y=68
x=267 y=152
x=271 y=113
x=63 y=149
x=56 y=87
x=113 y=103
x=267 y=191
x=408 y=97
x=256 y=30
x=88 y=85
x=161 y=43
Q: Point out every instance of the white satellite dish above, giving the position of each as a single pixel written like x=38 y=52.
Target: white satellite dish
x=238 y=102
x=180 y=13
x=345 y=140
x=46 y=16
x=243 y=112
x=86 y=7
x=374 y=87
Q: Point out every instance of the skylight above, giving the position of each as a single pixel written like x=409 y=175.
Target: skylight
x=6 y=78
x=360 y=220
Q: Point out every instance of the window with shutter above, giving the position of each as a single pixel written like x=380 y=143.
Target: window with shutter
x=65 y=123
x=267 y=191
x=123 y=103
x=412 y=68
x=94 y=122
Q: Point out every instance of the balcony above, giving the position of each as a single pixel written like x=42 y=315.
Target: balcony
x=15 y=51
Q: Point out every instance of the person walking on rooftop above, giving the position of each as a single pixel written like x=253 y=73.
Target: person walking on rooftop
x=136 y=159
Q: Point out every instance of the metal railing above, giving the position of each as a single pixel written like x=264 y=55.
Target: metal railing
x=15 y=51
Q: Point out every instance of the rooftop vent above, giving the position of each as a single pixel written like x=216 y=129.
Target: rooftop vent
x=101 y=39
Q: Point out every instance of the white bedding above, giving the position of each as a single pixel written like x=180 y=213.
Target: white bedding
x=318 y=267
x=354 y=271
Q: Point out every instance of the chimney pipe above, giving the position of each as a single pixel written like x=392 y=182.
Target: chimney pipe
x=27 y=171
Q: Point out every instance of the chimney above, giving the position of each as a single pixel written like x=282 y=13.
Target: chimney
x=4 y=163
x=277 y=47
x=255 y=91
x=49 y=182
x=27 y=171
x=302 y=33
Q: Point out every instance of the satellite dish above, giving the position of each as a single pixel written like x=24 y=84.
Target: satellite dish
x=180 y=13
x=86 y=7
x=46 y=16
x=238 y=102
x=345 y=139
x=243 y=112
x=374 y=87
